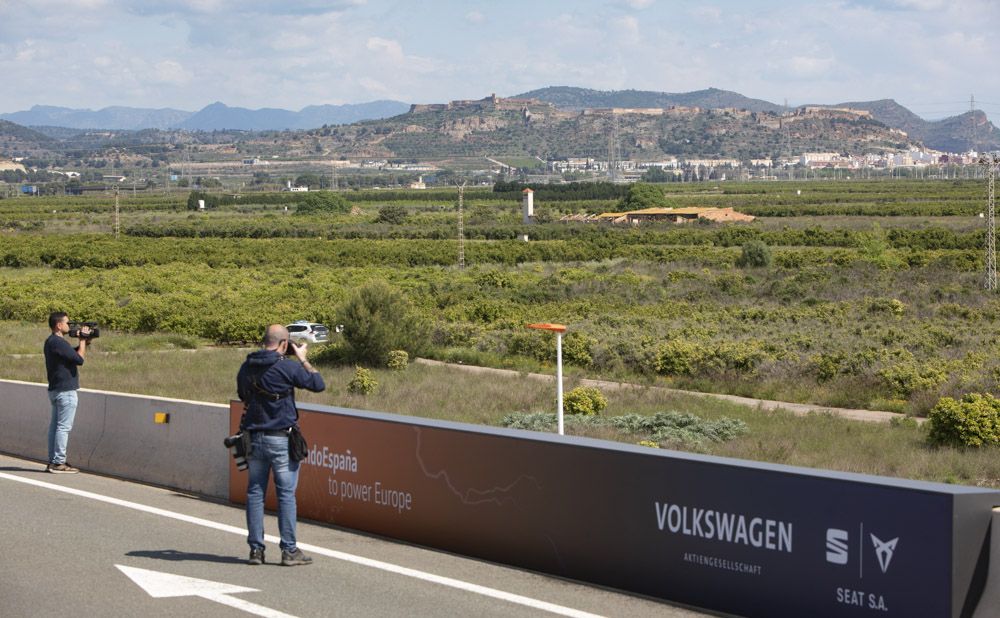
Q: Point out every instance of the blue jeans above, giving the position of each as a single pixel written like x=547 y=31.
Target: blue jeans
x=270 y=453
x=63 y=413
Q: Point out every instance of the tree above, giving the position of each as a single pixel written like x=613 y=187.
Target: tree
x=211 y=201
x=656 y=174
x=755 y=254
x=642 y=195
x=206 y=182
x=322 y=202
x=391 y=213
x=308 y=180
x=379 y=319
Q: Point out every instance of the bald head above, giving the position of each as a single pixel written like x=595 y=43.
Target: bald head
x=275 y=334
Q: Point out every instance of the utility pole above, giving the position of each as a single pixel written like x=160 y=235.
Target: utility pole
x=614 y=152
x=461 y=226
x=972 y=123
x=991 y=162
x=117 y=214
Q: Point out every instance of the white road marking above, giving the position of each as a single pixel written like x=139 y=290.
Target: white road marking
x=368 y=562
x=161 y=585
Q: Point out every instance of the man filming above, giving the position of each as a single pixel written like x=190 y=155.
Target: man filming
x=61 y=364
x=266 y=384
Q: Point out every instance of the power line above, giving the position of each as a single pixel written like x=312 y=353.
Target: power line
x=614 y=152
x=461 y=226
x=991 y=162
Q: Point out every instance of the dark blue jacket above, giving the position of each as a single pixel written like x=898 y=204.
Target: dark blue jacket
x=61 y=362
x=270 y=405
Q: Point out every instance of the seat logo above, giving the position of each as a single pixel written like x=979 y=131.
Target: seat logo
x=836 y=546
x=884 y=550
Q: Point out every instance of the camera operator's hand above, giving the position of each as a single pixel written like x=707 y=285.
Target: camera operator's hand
x=300 y=351
x=82 y=347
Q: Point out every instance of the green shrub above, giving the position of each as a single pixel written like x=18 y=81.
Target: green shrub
x=322 y=202
x=890 y=306
x=972 y=421
x=585 y=401
x=393 y=214
x=677 y=427
x=826 y=365
x=908 y=377
x=378 y=319
x=678 y=358
x=663 y=427
x=755 y=254
x=363 y=382
x=642 y=195
x=398 y=360
x=211 y=201
x=904 y=422
x=576 y=349
x=535 y=421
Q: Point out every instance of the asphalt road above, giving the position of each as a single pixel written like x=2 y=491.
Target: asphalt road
x=87 y=545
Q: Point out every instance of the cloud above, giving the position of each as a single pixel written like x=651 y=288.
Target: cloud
x=389 y=48
x=194 y=8
x=706 y=13
x=170 y=72
x=628 y=27
x=922 y=5
x=266 y=53
x=807 y=66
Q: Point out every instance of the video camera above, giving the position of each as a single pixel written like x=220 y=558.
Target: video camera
x=74 y=330
x=290 y=349
x=237 y=445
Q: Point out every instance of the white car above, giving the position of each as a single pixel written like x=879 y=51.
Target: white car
x=303 y=330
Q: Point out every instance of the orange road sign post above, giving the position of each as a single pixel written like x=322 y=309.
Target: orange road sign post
x=558 y=329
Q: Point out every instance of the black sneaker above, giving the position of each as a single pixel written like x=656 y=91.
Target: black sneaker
x=294 y=558
x=61 y=468
x=256 y=556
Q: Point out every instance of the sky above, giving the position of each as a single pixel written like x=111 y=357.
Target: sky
x=932 y=56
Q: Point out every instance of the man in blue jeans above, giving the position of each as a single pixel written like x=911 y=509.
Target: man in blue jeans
x=266 y=384
x=61 y=365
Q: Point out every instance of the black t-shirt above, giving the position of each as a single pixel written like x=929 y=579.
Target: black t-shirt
x=61 y=362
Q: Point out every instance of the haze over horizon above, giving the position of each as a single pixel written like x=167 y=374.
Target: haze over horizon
x=928 y=55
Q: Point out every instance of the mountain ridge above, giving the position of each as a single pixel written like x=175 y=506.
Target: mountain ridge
x=971 y=130
x=571 y=97
x=216 y=116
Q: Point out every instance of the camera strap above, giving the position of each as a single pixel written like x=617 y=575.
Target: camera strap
x=262 y=392
x=266 y=394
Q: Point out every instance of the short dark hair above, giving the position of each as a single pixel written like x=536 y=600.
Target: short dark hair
x=55 y=317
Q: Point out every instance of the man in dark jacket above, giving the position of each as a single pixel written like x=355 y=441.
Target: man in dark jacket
x=61 y=363
x=266 y=384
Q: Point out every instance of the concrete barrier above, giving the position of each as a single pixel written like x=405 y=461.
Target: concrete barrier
x=989 y=603
x=115 y=434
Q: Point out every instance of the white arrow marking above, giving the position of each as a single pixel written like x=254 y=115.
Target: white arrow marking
x=162 y=585
x=323 y=551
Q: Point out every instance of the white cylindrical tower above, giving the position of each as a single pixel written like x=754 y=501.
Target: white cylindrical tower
x=528 y=206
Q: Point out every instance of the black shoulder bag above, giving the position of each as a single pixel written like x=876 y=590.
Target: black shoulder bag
x=298 y=449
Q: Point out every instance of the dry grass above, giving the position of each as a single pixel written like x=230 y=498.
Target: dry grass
x=153 y=365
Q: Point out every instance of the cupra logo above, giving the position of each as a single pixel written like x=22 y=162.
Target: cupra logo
x=884 y=550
